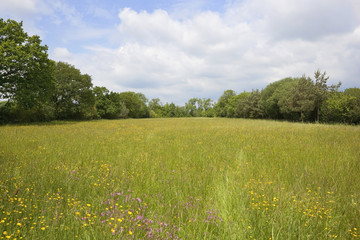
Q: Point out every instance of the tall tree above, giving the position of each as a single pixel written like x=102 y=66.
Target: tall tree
x=274 y=96
x=109 y=104
x=322 y=90
x=192 y=108
x=303 y=97
x=252 y=106
x=169 y=110
x=136 y=104
x=354 y=105
x=74 y=97
x=241 y=104
x=26 y=73
x=155 y=108
x=223 y=103
x=206 y=107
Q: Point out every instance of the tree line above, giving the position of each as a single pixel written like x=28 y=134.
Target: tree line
x=294 y=99
x=37 y=88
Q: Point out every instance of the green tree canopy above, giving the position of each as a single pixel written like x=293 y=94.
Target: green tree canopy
x=322 y=90
x=250 y=104
x=221 y=106
x=155 y=108
x=273 y=97
x=73 y=98
x=136 y=104
x=109 y=104
x=26 y=73
x=303 y=97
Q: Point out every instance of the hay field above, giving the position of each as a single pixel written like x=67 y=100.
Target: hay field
x=180 y=179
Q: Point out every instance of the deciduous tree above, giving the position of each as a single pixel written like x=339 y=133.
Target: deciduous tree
x=74 y=97
x=303 y=97
x=322 y=90
x=26 y=73
x=109 y=104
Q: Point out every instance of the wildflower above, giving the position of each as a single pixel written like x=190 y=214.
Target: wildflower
x=19 y=224
x=43 y=228
x=130 y=232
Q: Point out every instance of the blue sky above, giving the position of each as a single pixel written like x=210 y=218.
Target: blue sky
x=176 y=50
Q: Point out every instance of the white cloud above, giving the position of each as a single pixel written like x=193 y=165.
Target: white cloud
x=62 y=54
x=28 y=11
x=306 y=19
x=247 y=46
x=210 y=52
x=19 y=8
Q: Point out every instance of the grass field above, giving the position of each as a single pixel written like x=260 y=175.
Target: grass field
x=180 y=179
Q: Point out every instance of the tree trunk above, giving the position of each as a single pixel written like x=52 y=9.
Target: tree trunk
x=318 y=114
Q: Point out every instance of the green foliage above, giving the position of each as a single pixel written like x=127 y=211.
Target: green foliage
x=73 y=98
x=336 y=108
x=13 y=112
x=155 y=108
x=109 y=104
x=171 y=110
x=197 y=107
x=249 y=106
x=135 y=103
x=191 y=107
x=238 y=102
x=38 y=89
x=342 y=107
x=274 y=96
x=322 y=90
x=303 y=97
x=297 y=98
x=26 y=73
x=222 y=107
x=354 y=104
x=206 y=107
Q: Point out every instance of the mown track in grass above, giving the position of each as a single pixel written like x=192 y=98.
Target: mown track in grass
x=180 y=178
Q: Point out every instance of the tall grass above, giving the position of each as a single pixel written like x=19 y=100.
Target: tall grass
x=180 y=178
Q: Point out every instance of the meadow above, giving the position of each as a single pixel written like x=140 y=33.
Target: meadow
x=191 y=178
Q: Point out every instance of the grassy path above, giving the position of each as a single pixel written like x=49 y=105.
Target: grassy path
x=180 y=178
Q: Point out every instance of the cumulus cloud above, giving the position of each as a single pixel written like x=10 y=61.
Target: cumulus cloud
x=28 y=11
x=211 y=52
x=19 y=8
x=62 y=53
x=309 y=20
x=176 y=56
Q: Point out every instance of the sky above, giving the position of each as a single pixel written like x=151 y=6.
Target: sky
x=179 y=49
